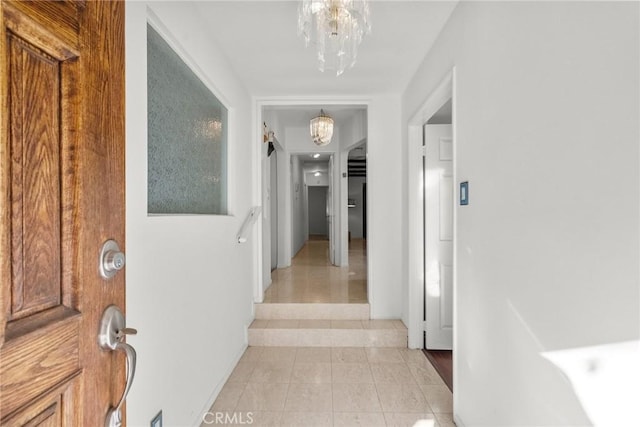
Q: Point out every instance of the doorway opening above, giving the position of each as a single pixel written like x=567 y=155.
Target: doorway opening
x=432 y=213
x=318 y=215
x=438 y=206
x=312 y=237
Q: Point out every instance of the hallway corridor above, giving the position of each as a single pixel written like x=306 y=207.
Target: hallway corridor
x=312 y=279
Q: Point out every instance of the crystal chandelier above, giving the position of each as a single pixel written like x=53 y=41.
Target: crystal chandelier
x=321 y=129
x=336 y=27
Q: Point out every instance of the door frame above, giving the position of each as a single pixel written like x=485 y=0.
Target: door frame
x=260 y=283
x=415 y=260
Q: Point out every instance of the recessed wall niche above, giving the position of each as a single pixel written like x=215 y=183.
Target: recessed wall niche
x=187 y=137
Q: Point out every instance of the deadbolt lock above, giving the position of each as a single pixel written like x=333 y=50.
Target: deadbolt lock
x=112 y=259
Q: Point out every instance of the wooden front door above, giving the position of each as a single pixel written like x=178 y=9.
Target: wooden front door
x=61 y=197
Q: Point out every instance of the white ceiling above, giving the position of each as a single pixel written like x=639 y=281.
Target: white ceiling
x=299 y=115
x=261 y=43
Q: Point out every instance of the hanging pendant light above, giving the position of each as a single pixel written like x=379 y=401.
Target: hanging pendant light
x=336 y=27
x=321 y=129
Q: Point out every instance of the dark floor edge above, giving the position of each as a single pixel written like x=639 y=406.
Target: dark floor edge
x=445 y=373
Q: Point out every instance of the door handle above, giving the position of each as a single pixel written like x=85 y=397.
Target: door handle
x=111 y=338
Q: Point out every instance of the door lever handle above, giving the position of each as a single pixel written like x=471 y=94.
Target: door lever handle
x=111 y=337
x=120 y=335
x=114 y=416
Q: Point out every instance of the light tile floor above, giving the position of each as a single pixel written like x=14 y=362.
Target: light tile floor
x=312 y=279
x=301 y=386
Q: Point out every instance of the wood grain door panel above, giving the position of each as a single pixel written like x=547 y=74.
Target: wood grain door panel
x=61 y=147
x=35 y=178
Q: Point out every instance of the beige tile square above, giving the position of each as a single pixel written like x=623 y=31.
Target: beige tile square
x=425 y=374
x=355 y=398
x=416 y=357
x=280 y=311
x=263 y=311
x=313 y=354
x=228 y=397
x=314 y=324
x=402 y=398
x=383 y=355
x=278 y=354
x=271 y=372
x=386 y=338
x=346 y=324
x=439 y=398
x=364 y=419
x=309 y=398
x=242 y=372
x=378 y=324
x=348 y=355
x=348 y=337
x=393 y=373
x=263 y=397
x=303 y=419
x=406 y=419
x=351 y=373
x=260 y=418
x=445 y=420
x=311 y=373
x=280 y=337
x=350 y=311
x=282 y=324
x=259 y=324
x=256 y=337
x=399 y=324
x=251 y=354
x=314 y=337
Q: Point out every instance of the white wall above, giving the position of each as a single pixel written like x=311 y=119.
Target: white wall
x=311 y=180
x=284 y=209
x=546 y=115
x=189 y=283
x=384 y=205
x=299 y=207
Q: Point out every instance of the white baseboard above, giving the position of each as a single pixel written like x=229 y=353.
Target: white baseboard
x=214 y=395
x=458 y=421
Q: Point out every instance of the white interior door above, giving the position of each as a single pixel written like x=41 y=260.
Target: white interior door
x=330 y=222
x=438 y=227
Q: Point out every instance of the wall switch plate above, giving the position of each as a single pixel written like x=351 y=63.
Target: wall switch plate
x=464 y=193
x=157 y=420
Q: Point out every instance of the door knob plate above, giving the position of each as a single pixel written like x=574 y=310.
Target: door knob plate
x=111 y=324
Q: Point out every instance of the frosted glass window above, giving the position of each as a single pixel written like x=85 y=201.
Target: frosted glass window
x=187 y=137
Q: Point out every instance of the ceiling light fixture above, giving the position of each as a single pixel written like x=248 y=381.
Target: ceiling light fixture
x=336 y=27
x=315 y=156
x=321 y=129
